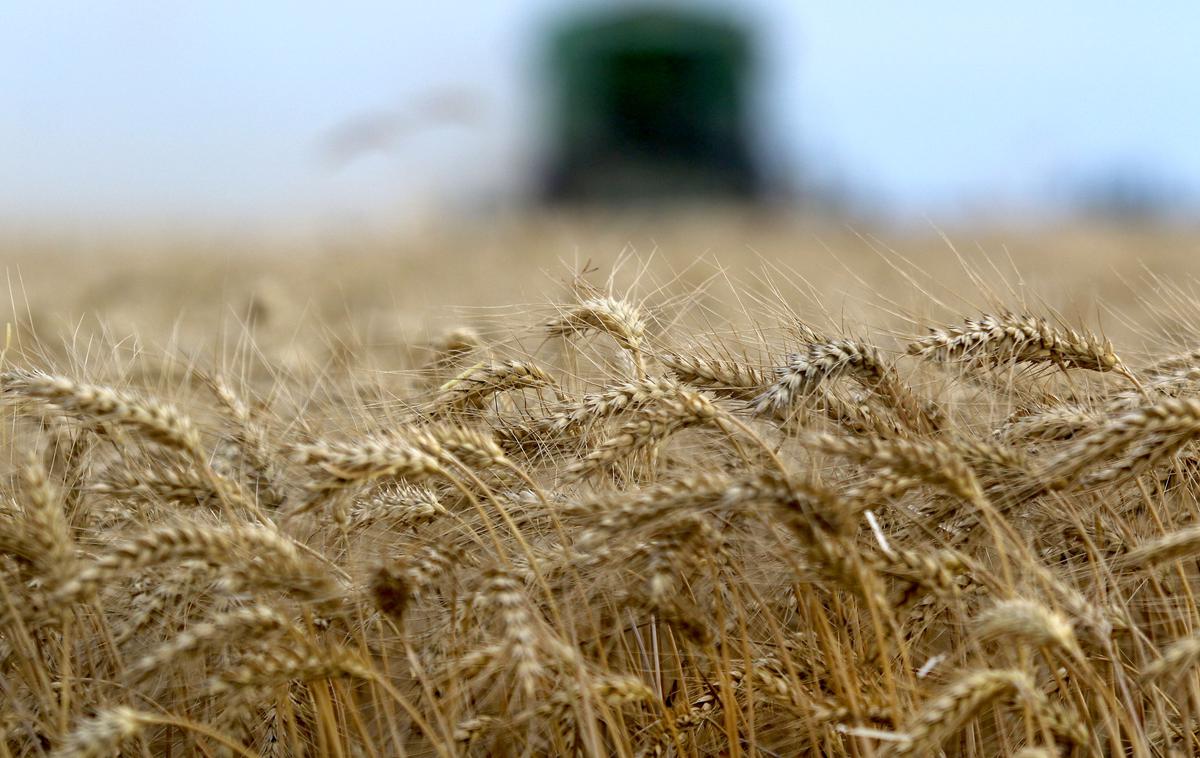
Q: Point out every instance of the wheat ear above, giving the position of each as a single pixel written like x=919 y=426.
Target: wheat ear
x=157 y=421
x=1021 y=338
x=620 y=319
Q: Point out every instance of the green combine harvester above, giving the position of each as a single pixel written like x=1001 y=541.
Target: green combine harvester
x=650 y=106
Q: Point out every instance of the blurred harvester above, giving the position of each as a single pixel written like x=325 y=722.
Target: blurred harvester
x=650 y=105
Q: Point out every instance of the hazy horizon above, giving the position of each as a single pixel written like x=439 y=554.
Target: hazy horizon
x=218 y=112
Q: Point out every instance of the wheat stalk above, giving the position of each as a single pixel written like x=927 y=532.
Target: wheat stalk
x=1027 y=621
x=1020 y=338
x=472 y=388
x=278 y=555
x=1129 y=444
x=617 y=318
x=721 y=376
x=946 y=715
x=157 y=421
x=256 y=621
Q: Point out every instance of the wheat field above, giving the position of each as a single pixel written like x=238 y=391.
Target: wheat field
x=741 y=490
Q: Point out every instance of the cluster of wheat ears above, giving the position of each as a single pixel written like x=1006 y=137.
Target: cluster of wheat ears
x=980 y=540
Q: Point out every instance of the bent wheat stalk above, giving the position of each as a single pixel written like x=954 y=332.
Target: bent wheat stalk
x=617 y=318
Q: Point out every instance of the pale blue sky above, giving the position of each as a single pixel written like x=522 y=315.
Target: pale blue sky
x=168 y=110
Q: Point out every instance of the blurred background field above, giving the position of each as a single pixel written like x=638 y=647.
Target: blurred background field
x=394 y=293
x=366 y=168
